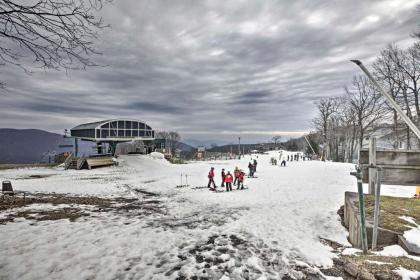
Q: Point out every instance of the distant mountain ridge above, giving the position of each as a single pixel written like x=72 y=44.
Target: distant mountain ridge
x=32 y=145
x=26 y=145
x=204 y=143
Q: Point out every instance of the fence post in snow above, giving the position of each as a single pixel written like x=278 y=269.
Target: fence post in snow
x=377 y=209
x=181 y=180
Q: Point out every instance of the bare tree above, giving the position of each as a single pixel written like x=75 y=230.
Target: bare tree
x=326 y=108
x=386 y=73
x=366 y=104
x=52 y=34
x=172 y=139
x=276 y=139
x=407 y=76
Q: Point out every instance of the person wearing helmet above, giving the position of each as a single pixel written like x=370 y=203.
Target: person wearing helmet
x=223 y=177
x=241 y=180
x=228 y=181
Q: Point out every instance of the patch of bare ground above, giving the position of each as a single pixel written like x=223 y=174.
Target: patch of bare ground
x=35 y=176
x=72 y=207
x=367 y=267
x=4 y=166
x=236 y=257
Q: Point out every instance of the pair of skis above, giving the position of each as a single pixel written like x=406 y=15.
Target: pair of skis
x=234 y=189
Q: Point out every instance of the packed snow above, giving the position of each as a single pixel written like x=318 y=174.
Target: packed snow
x=278 y=219
x=392 y=251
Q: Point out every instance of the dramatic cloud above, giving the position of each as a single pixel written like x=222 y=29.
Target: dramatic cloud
x=212 y=69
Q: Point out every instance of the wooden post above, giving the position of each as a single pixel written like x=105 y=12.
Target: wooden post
x=377 y=209
x=372 y=165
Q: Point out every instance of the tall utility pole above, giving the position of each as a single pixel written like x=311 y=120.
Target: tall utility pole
x=239 y=147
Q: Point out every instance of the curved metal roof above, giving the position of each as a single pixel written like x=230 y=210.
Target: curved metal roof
x=94 y=125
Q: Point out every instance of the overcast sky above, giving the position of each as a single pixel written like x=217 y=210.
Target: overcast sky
x=212 y=69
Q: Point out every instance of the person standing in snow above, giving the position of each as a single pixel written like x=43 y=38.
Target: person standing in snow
x=236 y=174
x=255 y=165
x=241 y=180
x=211 y=179
x=251 y=169
x=223 y=178
x=228 y=181
x=283 y=163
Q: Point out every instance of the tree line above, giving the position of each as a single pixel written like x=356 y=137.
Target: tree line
x=344 y=123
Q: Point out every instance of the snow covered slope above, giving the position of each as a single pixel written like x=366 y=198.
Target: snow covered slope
x=282 y=214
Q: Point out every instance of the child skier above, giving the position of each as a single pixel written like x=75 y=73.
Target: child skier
x=241 y=180
x=228 y=181
x=255 y=165
x=223 y=178
x=211 y=179
x=236 y=174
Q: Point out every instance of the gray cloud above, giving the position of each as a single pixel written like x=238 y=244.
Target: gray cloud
x=204 y=67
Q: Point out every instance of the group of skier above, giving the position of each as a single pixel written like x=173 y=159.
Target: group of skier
x=237 y=179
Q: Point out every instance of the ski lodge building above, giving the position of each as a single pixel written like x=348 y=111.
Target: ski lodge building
x=110 y=133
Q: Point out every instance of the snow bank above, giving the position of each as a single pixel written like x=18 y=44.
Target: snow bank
x=407 y=274
x=413 y=236
x=409 y=219
x=392 y=251
x=157 y=155
x=350 y=251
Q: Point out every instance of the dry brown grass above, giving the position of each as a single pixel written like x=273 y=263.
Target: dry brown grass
x=392 y=208
x=4 y=166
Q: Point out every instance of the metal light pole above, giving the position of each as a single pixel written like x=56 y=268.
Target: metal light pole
x=239 y=147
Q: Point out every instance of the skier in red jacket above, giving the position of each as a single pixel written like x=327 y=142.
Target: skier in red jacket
x=241 y=180
x=228 y=181
x=211 y=179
